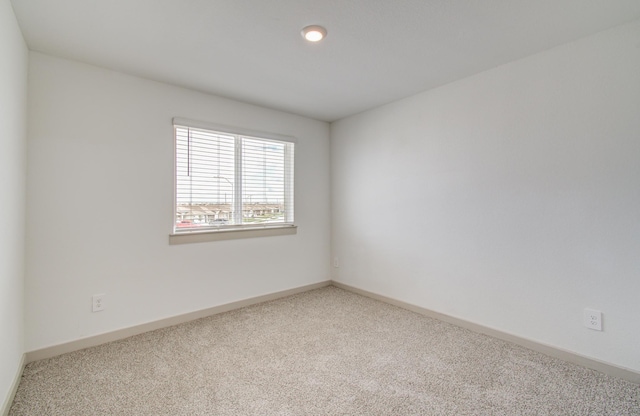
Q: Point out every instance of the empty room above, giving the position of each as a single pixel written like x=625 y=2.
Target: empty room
x=305 y=207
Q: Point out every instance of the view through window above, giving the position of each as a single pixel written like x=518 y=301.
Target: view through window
x=225 y=180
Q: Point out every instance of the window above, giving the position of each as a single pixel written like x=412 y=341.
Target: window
x=226 y=179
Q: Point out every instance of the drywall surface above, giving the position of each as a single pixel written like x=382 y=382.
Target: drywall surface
x=510 y=199
x=100 y=195
x=13 y=141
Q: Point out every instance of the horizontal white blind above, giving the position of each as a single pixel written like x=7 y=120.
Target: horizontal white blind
x=225 y=180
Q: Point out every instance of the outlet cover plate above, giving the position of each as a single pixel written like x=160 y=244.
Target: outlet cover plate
x=98 y=303
x=593 y=319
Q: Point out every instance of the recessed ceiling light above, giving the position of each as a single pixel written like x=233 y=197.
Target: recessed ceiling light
x=314 y=33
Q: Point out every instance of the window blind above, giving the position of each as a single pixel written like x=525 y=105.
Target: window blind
x=225 y=180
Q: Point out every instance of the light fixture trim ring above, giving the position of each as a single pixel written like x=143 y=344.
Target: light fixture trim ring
x=314 y=33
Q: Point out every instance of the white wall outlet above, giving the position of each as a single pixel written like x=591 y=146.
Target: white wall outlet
x=593 y=319
x=98 y=302
x=336 y=262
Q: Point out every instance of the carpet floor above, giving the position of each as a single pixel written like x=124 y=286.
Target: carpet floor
x=323 y=352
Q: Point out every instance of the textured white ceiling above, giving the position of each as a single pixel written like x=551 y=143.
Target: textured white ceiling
x=376 y=51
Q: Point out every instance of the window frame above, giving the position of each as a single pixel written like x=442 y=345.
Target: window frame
x=247 y=230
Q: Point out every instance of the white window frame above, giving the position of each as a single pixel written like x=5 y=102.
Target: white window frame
x=193 y=235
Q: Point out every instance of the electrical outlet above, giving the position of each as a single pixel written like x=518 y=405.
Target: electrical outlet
x=593 y=319
x=98 y=302
x=336 y=262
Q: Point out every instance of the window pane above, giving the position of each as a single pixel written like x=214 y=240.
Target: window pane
x=263 y=184
x=204 y=178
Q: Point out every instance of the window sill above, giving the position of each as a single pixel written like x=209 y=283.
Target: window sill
x=189 y=237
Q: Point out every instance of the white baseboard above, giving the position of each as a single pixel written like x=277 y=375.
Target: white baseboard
x=94 y=340
x=572 y=357
x=8 y=401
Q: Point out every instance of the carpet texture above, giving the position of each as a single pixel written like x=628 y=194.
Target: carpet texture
x=323 y=352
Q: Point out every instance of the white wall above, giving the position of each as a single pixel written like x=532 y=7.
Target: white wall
x=13 y=139
x=510 y=199
x=100 y=178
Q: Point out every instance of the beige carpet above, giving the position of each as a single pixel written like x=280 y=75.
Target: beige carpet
x=323 y=352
